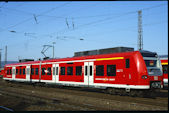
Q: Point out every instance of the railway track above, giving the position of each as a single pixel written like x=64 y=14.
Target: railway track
x=32 y=98
x=160 y=100
x=71 y=99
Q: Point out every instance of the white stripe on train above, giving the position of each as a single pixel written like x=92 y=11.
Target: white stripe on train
x=96 y=85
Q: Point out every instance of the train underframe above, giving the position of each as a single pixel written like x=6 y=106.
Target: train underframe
x=132 y=92
x=109 y=90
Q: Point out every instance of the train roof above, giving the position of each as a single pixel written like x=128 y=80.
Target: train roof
x=144 y=53
x=104 y=51
x=78 y=58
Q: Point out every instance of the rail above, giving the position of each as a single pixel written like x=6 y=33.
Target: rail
x=8 y=109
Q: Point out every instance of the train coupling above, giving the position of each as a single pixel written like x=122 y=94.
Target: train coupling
x=155 y=84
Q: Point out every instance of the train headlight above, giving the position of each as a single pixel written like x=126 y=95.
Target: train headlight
x=144 y=77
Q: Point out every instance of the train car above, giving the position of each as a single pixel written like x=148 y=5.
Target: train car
x=164 y=63
x=129 y=72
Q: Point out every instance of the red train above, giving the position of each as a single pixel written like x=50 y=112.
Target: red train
x=164 y=63
x=131 y=72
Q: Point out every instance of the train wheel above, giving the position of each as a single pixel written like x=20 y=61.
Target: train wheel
x=111 y=91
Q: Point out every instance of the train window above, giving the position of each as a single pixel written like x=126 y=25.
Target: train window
x=111 y=70
x=91 y=70
x=7 y=71
x=36 y=71
x=10 y=71
x=151 y=63
x=127 y=63
x=16 y=71
x=85 y=70
x=27 y=71
x=32 y=71
x=43 y=71
x=78 y=70
x=62 y=71
x=54 y=70
x=20 y=72
x=49 y=71
x=69 y=70
x=23 y=71
x=99 y=70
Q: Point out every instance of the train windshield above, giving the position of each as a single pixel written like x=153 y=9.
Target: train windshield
x=152 y=62
x=153 y=66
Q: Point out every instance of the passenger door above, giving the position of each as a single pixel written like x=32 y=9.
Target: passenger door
x=55 y=73
x=88 y=73
x=127 y=70
x=27 y=73
x=13 y=73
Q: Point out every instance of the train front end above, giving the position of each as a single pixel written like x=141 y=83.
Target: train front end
x=154 y=69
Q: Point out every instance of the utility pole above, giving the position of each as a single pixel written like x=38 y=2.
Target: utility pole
x=5 y=54
x=0 y=58
x=140 y=31
x=53 y=49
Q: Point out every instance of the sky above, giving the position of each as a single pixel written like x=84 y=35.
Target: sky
x=80 y=26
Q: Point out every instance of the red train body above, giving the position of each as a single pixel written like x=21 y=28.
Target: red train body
x=2 y=72
x=164 y=63
x=126 y=70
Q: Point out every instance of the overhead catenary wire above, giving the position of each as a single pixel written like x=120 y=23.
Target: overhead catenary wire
x=31 y=18
x=28 y=19
x=111 y=30
x=101 y=20
x=106 y=21
x=35 y=19
x=93 y=23
x=64 y=37
x=90 y=16
x=103 y=15
x=20 y=11
x=123 y=29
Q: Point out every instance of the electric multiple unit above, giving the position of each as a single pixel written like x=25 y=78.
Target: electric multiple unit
x=139 y=70
x=164 y=63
